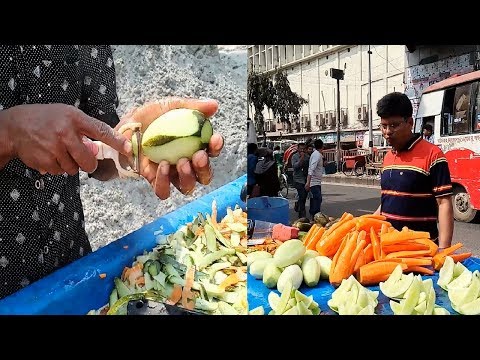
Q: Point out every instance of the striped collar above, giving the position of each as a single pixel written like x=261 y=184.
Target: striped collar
x=409 y=144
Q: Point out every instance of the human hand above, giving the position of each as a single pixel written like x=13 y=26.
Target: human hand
x=48 y=137
x=307 y=187
x=186 y=173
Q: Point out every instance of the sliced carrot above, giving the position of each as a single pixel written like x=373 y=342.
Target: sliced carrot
x=408 y=254
x=375 y=244
x=368 y=251
x=360 y=261
x=407 y=246
x=102 y=275
x=312 y=242
x=310 y=233
x=176 y=295
x=329 y=245
x=231 y=279
x=420 y=270
x=373 y=216
x=339 y=223
x=337 y=254
x=188 y=301
x=461 y=257
x=345 y=215
x=433 y=247
x=373 y=273
x=356 y=255
x=342 y=266
x=386 y=260
x=383 y=229
x=367 y=223
x=401 y=236
x=424 y=261
x=451 y=249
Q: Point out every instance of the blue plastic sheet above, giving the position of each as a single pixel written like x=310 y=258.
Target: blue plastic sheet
x=258 y=293
x=77 y=288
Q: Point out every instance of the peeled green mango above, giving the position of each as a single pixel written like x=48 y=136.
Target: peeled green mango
x=179 y=133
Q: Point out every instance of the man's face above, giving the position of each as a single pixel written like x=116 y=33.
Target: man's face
x=396 y=130
x=301 y=148
x=427 y=132
x=310 y=150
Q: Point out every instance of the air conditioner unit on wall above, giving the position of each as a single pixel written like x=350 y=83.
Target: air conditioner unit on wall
x=333 y=119
x=358 y=113
x=322 y=120
x=327 y=119
x=365 y=112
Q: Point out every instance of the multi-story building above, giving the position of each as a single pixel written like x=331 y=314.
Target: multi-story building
x=308 y=70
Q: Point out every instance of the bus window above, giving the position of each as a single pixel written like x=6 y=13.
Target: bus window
x=476 y=111
x=447 y=113
x=461 y=112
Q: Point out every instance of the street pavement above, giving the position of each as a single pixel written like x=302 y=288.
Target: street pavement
x=359 y=200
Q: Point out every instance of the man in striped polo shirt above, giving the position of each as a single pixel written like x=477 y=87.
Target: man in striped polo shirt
x=416 y=184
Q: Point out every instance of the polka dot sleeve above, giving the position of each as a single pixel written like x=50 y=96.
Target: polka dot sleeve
x=99 y=83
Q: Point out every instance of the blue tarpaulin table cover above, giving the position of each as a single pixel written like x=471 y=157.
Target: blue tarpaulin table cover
x=77 y=288
x=258 y=293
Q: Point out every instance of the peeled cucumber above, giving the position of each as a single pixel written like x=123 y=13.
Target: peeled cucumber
x=179 y=133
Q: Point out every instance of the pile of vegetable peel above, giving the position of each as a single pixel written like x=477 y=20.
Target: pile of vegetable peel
x=201 y=267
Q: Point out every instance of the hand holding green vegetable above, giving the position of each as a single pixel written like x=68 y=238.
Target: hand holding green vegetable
x=170 y=141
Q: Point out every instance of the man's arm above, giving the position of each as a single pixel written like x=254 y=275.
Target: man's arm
x=6 y=146
x=445 y=221
x=442 y=190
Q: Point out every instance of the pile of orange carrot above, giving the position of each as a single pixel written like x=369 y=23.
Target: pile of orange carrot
x=370 y=248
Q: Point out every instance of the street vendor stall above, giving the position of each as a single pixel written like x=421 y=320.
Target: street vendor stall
x=258 y=293
x=87 y=283
x=358 y=265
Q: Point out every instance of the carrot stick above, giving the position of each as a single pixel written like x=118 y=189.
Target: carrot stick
x=407 y=246
x=424 y=261
x=310 y=233
x=337 y=254
x=460 y=257
x=451 y=249
x=345 y=215
x=408 y=254
x=312 y=242
x=383 y=229
x=373 y=273
x=367 y=223
x=339 y=223
x=401 y=236
x=360 y=261
x=330 y=244
x=420 y=270
x=373 y=216
x=375 y=244
x=433 y=247
x=355 y=255
x=368 y=251
x=342 y=267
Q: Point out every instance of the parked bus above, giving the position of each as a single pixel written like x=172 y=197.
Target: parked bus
x=452 y=107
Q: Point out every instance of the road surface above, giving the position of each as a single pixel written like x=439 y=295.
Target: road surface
x=357 y=200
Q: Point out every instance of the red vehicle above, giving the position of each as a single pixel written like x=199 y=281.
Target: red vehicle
x=452 y=107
